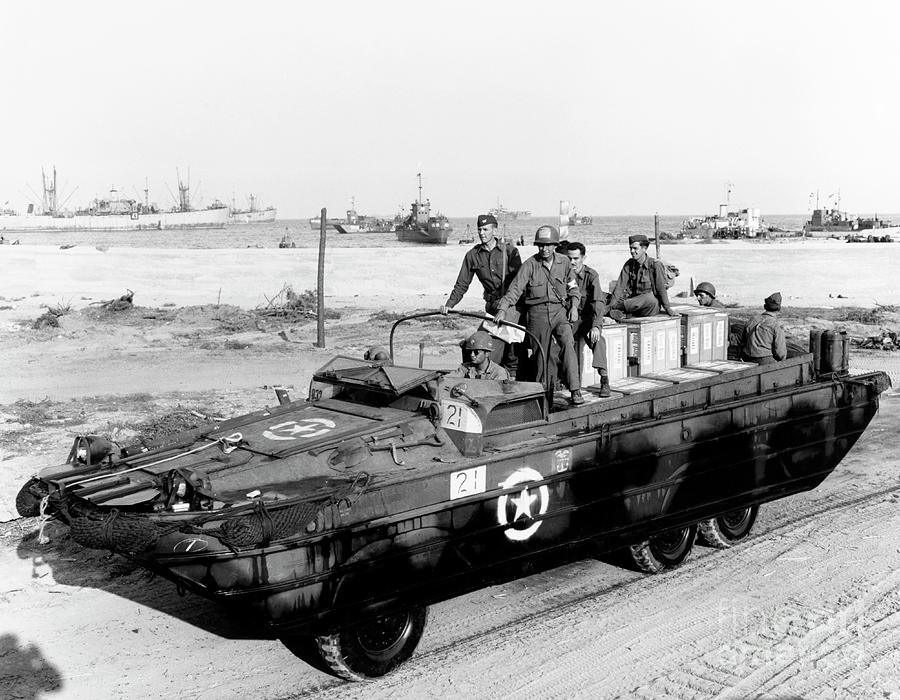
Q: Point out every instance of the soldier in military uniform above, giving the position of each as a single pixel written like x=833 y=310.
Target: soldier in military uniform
x=764 y=340
x=706 y=296
x=547 y=283
x=641 y=287
x=478 y=363
x=591 y=309
x=495 y=263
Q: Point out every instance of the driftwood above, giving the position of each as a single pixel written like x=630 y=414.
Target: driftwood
x=123 y=303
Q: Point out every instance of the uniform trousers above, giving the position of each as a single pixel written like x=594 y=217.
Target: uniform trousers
x=645 y=304
x=546 y=321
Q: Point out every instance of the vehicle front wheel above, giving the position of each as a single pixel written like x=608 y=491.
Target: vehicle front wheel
x=665 y=550
x=375 y=647
x=728 y=529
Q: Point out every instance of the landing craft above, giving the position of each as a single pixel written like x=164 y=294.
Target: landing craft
x=337 y=520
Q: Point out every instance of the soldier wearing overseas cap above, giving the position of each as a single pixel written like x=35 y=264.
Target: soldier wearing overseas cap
x=641 y=287
x=764 y=340
x=478 y=363
x=547 y=283
x=495 y=263
x=706 y=296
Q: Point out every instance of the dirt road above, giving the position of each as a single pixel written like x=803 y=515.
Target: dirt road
x=808 y=607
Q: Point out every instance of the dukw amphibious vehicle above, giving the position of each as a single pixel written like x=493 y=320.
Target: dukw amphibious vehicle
x=338 y=519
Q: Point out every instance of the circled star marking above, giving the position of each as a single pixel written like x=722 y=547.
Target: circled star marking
x=303 y=428
x=523 y=502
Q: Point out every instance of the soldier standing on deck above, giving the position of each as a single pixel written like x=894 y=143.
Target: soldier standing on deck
x=591 y=309
x=551 y=294
x=495 y=263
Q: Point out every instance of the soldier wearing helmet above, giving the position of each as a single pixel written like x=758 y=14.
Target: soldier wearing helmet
x=706 y=296
x=547 y=283
x=478 y=363
x=377 y=353
x=641 y=287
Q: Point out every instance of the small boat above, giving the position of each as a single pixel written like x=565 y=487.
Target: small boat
x=286 y=240
x=354 y=222
x=420 y=226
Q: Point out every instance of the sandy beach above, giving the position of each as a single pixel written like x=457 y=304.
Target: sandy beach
x=191 y=344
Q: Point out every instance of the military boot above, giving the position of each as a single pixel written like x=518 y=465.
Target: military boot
x=604 y=387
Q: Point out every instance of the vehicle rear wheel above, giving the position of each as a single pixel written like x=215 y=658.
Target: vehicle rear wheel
x=375 y=647
x=729 y=528
x=665 y=550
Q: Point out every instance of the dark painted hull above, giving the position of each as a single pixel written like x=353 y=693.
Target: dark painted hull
x=605 y=475
x=429 y=236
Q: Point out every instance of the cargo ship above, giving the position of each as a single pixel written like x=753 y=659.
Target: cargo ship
x=113 y=213
x=420 y=226
x=252 y=215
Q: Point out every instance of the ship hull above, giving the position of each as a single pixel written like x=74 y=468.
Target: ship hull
x=206 y=218
x=263 y=216
x=430 y=236
x=604 y=475
x=607 y=495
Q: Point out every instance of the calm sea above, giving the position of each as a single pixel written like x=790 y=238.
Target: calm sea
x=603 y=230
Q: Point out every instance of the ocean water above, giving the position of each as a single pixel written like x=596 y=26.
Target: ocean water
x=603 y=231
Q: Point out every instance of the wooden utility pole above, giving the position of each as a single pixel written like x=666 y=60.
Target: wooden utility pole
x=656 y=233
x=320 y=282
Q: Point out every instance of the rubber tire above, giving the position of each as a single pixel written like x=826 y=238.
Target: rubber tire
x=353 y=654
x=728 y=529
x=28 y=503
x=664 y=551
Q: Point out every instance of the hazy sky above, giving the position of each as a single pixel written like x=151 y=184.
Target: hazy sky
x=621 y=108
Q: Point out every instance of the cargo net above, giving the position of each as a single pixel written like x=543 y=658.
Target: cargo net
x=247 y=527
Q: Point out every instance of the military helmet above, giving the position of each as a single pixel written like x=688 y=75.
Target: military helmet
x=546 y=234
x=377 y=352
x=479 y=340
x=706 y=287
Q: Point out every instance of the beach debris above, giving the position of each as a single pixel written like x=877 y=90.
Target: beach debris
x=66 y=246
x=102 y=248
x=123 y=303
x=292 y=335
x=288 y=305
x=50 y=318
x=885 y=340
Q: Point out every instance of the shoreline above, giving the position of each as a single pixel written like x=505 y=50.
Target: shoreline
x=807 y=273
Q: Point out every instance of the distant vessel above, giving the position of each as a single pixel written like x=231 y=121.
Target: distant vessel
x=252 y=215
x=742 y=223
x=286 y=240
x=501 y=213
x=353 y=222
x=113 y=213
x=420 y=226
x=575 y=220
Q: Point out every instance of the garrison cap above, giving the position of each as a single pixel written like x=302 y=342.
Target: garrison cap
x=485 y=219
x=638 y=238
x=773 y=302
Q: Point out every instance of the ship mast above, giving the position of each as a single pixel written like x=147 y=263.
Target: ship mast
x=419 y=175
x=184 y=191
x=49 y=197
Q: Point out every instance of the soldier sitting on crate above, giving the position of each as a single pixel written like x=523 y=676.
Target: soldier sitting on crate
x=706 y=296
x=477 y=359
x=764 y=340
x=588 y=329
x=641 y=287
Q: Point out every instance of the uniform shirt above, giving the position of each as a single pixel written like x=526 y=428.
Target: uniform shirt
x=764 y=337
x=492 y=371
x=639 y=278
x=488 y=267
x=541 y=284
x=591 y=308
